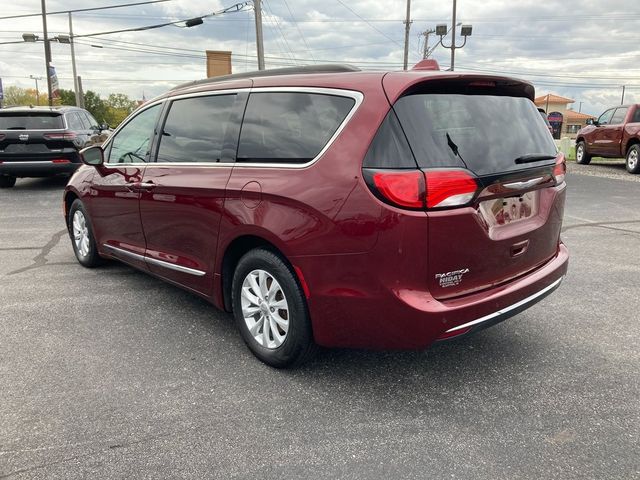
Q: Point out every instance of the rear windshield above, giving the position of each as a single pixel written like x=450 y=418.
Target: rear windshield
x=30 y=121
x=483 y=133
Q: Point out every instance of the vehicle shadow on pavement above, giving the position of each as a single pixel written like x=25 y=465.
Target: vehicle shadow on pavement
x=40 y=184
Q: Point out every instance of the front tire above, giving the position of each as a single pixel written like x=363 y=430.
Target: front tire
x=7 y=181
x=82 y=238
x=582 y=157
x=271 y=311
x=633 y=159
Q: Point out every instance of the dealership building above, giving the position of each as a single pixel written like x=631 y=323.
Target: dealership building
x=563 y=119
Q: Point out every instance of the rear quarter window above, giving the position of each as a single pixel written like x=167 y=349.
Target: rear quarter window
x=289 y=127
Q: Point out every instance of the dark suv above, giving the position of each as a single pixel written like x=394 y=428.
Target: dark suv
x=43 y=141
x=329 y=206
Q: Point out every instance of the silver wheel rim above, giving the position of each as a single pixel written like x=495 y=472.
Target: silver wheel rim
x=265 y=309
x=80 y=233
x=579 y=153
x=632 y=159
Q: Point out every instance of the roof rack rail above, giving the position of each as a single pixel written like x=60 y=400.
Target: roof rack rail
x=306 y=69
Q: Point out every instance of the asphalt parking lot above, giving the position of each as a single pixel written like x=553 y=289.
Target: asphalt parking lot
x=110 y=373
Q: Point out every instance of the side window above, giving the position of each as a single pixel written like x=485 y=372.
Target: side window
x=289 y=127
x=73 y=121
x=605 y=118
x=83 y=119
x=132 y=143
x=90 y=120
x=195 y=128
x=636 y=116
x=619 y=116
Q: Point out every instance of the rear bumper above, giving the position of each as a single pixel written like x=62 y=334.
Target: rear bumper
x=412 y=319
x=37 y=168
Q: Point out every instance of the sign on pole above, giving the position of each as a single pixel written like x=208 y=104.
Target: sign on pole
x=54 y=82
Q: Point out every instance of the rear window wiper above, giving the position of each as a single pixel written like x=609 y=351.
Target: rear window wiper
x=534 y=157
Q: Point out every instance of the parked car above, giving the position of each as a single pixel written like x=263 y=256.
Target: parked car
x=615 y=134
x=329 y=206
x=543 y=114
x=43 y=141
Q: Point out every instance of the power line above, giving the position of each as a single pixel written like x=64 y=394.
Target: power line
x=367 y=22
x=85 y=9
x=304 y=40
x=232 y=9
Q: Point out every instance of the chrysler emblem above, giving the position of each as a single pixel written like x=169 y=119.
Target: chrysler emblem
x=23 y=137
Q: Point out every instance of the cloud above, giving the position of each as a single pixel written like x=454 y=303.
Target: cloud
x=585 y=50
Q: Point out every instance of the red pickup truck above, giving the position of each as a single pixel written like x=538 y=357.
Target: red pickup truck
x=615 y=134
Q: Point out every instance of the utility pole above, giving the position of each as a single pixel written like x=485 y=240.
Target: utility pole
x=32 y=77
x=47 y=51
x=407 y=27
x=580 y=108
x=453 y=38
x=622 y=100
x=425 y=50
x=259 y=44
x=73 y=63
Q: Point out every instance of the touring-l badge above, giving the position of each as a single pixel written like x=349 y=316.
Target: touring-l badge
x=451 y=279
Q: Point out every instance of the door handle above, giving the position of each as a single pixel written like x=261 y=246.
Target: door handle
x=138 y=186
x=146 y=185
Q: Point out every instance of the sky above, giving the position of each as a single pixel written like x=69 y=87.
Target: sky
x=585 y=50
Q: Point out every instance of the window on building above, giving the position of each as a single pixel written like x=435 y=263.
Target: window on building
x=573 y=128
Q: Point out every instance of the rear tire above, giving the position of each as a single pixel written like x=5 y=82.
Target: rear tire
x=633 y=159
x=82 y=239
x=271 y=311
x=582 y=157
x=7 y=181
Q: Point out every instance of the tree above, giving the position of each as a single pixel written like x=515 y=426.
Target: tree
x=67 y=97
x=96 y=106
x=119 y=106
x=14 y=95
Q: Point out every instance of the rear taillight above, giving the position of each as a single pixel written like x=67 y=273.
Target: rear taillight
x=560 y=169
x=449 y=188
x=416 y=189
x=2 y=135
x=403 y=189
x=59 y=136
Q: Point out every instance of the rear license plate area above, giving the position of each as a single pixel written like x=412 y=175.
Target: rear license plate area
x=509 y=210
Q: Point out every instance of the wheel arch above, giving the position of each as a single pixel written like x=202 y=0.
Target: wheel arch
x=632 y=141
x=234 y=252
x=70 y=196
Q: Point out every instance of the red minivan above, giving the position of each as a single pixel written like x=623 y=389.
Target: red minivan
x=326 y=206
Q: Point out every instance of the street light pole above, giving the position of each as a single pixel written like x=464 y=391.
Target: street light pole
x=259 y=44
x=79 y=101
x=453 y=38
x=47 y=51
x=407 y=27
x=622 y=99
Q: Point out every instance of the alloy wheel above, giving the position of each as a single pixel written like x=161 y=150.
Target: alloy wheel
x=265 y=309
x=81 y=233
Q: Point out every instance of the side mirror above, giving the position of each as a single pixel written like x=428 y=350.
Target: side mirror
x=93 y=155
x=104 y=126
x=589 y=121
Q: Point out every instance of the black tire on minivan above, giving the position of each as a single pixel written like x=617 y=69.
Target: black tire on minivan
x=82 y=238
x=270 y=310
